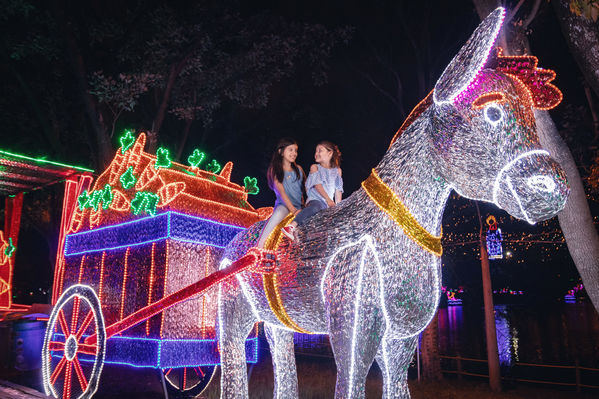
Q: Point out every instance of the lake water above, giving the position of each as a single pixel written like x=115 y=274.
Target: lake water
x=552 y=334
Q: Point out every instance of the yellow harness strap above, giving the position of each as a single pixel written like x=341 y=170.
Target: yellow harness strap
x=269 y=280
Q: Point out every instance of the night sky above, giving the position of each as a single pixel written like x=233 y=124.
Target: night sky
x=357 y=108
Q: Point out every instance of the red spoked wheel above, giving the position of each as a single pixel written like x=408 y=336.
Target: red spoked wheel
x=188 y=381
x=71 y=368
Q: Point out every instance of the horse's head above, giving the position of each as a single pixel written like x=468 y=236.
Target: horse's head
x=484 y=134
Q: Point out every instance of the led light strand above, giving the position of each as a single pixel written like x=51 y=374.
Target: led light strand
x=124 y=289
x=150 y=285
x=389 y=203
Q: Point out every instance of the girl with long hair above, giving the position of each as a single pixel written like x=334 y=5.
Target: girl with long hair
x=286 y=179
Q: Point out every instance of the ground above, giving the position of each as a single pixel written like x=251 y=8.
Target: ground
x=316 y=381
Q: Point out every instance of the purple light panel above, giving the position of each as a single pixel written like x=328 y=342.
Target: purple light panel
x=173 y=225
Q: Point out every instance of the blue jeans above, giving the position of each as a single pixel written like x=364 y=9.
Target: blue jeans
x=278 y=214
x=310 y=210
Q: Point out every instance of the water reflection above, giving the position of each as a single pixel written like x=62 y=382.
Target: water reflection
x=553 y=333
x=507 y=337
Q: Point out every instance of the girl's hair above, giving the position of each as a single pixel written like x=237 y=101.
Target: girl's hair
x=275 y=169
x=336 y=157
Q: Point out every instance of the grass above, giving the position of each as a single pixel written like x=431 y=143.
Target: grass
x=316 y=379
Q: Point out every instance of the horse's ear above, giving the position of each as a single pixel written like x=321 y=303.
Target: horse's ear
x=471 y=58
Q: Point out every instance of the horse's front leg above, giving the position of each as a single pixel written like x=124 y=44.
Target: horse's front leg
x=282 y=351
x=394 y=357
x=235 y=320
x=356 y=321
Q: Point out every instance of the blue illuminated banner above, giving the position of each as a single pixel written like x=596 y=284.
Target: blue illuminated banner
x=164 y=353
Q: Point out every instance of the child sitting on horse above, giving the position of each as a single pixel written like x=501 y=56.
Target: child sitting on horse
x=285 y=178
x=324 y=185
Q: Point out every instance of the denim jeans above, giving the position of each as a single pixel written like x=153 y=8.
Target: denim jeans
x=310 y=210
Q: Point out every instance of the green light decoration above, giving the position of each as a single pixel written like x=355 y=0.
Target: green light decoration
x=107 y=196
x=188 y=172
x=144 y=201
x=10 y=249
x=213 y=167
x=127 y=141
x=83 y=200
x=95 y=199
x=196 y=158
x=251 y=185
x=43 y=161
x=163 y=158
x=128 y=179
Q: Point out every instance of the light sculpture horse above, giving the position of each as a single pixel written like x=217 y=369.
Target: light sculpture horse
x=367 y=272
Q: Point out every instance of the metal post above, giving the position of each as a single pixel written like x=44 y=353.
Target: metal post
x=459 y=360
x=418 y=357
x=577 y=369
x=490 y=329
x=163 y=383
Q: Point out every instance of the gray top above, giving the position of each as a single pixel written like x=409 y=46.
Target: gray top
x=330 y=180
x=293 y=188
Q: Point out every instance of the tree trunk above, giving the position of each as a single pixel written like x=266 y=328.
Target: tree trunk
x=582 y=36
x=183 y=141
x=104 y=147
x=173 y=73
x=575 y=219
x=431 y=364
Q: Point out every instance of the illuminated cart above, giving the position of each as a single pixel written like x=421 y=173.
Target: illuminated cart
x=136 y=280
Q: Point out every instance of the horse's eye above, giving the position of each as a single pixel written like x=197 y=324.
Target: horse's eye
x=493 y=114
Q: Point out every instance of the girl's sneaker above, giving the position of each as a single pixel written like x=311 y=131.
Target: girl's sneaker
x=289 y=231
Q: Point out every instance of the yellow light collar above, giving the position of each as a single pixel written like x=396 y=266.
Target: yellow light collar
x=389 y=203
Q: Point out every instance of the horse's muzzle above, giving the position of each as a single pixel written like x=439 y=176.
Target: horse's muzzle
x=532 y=187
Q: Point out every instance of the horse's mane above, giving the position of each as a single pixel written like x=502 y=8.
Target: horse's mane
x=414 y=114
x=524 y=68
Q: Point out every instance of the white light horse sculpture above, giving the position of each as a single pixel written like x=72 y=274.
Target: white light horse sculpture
x=367 y=272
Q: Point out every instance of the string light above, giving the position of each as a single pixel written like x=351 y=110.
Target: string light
x=126 y=141
x=163 y=158
x=127 y=179
x=196 y=158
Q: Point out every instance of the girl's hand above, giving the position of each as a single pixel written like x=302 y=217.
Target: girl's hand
x=330 y=203
x=295 y=212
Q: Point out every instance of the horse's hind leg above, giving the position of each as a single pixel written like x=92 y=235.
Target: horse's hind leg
x=394 y=357
x=283 y=361
x=235 y=320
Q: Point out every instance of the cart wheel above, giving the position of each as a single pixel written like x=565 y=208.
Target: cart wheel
x=188 y=381
x=76 y=315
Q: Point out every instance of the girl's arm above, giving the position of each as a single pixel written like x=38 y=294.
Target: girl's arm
x=284 y=197
x=303 y=185
x=324 y=194
x=338 y=191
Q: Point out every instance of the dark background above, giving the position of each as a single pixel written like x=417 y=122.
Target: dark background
x=392 y=44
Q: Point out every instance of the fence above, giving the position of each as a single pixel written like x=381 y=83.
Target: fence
x=519 y=368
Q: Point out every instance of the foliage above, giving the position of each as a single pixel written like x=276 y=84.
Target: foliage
x=588 y=9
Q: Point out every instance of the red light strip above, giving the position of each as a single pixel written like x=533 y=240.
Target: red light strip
x=164 y=289
x=124 y=289
x=151 y=284
x=101 y=277
x=80 y=375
